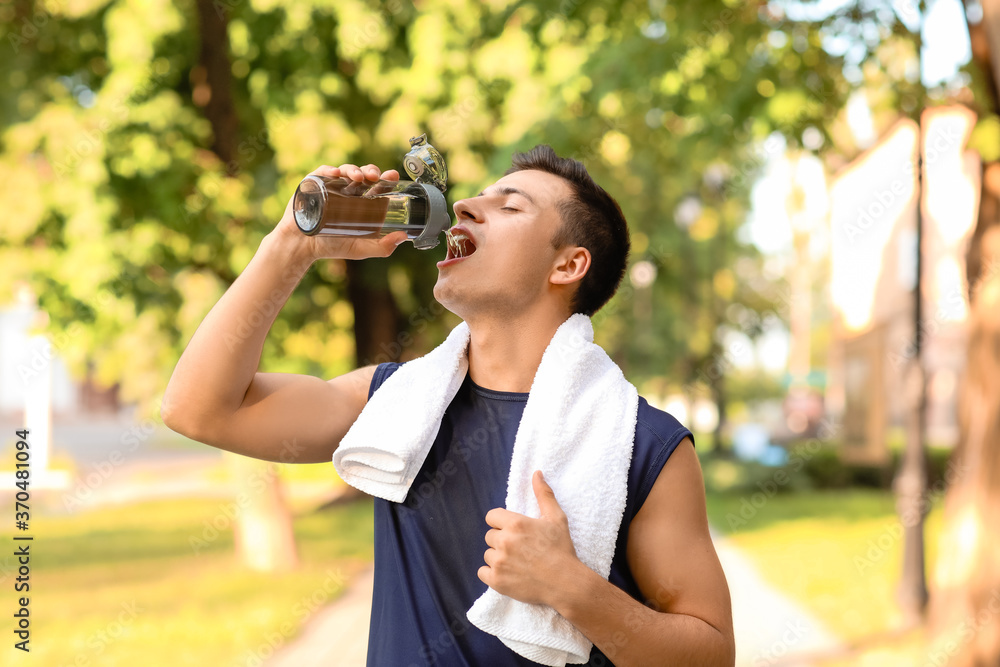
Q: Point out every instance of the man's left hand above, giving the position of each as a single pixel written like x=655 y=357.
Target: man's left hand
x=529 y=558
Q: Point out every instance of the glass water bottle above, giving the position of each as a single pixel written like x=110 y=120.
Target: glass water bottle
x=344 y=207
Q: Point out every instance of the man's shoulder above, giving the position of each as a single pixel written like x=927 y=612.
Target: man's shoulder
x=657 y=435
x=661 y=426
x=382 y=372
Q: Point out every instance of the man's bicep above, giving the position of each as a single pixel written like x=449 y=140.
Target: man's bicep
x=670 y=550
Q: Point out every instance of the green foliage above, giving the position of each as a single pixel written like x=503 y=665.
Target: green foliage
x=726 y=475
x=985 y=138
x=126 y=221
x=814 y=466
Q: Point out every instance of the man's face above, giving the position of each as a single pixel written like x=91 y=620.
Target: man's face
x=511 y=224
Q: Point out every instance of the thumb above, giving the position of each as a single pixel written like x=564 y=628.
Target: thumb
x=546 y=497
x=390 y=242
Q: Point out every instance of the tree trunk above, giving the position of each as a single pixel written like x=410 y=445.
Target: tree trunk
x=212 y=81
x=965 y=595
x=263 y=523
x=263 y=532
x=718 y=386
x=377 y=320
x=965 y=604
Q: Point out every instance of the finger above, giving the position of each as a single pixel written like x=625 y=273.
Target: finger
x=383 y=185
x=352 y=172
x=498 y=517
x=546 y=497
x=485 y=575
x=391 y=175
x=355 y=188
x=489 y=556
x=493 y=537
x=388 y=243
x=327 y=170
x=371 y=172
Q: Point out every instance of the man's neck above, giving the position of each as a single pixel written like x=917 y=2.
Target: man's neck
x=504 y=354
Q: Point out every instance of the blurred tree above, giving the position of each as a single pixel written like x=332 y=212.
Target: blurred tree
x=883 y=43
x=966 y=595
x=676 y=112
x=263 y=531
x=142 y=163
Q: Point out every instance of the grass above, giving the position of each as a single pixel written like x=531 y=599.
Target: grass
x=124 y=586
x=837 y=553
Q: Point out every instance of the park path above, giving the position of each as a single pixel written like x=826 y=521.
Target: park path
x=336 y=635
x=771 y=629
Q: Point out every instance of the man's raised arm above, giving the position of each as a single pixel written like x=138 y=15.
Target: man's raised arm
x=217 y=396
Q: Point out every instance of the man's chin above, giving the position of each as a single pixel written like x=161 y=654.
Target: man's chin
x=452 y=300
x=443 y=293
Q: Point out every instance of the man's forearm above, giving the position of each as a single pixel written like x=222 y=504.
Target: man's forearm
x=222 y=357
x=631 y=634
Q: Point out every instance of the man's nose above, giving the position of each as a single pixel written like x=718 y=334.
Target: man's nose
x=465 y=209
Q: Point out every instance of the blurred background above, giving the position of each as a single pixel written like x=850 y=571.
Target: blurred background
x=813 y=190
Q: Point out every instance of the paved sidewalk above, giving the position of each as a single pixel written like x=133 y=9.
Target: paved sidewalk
x=771 y=629
x=336 y=635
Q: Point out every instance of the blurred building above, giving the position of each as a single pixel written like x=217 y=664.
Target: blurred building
x=874 y=274
x=25 y=356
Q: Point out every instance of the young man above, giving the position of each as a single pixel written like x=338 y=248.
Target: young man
x=548 y=242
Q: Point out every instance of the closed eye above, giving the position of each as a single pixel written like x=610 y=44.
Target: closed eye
x=508 y=208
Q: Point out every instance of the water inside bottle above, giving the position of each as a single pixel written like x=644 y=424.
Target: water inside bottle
x=346 y=208
x=375 y=216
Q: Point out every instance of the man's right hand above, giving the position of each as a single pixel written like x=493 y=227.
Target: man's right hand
x=216 y=394
x=323 y=246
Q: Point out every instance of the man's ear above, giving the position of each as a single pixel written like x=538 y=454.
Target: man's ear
x=571 y=265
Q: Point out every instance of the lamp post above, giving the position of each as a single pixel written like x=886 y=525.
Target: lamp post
x=910 y=483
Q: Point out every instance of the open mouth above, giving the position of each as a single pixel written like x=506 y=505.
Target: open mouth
x=460 y=245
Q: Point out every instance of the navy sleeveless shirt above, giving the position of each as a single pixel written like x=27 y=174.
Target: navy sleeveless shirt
x=429 y=547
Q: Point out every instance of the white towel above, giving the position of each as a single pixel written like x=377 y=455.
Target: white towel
x=577 y=427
